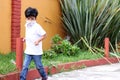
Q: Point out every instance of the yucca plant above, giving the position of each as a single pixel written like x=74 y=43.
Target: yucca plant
x=88 y=22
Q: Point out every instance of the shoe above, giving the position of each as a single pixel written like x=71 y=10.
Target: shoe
x=44 y=78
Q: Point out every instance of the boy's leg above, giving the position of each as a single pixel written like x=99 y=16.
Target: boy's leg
x=26 y=63
x=39 y=66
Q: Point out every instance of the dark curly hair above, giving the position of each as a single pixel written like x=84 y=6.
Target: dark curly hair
x=31 y=12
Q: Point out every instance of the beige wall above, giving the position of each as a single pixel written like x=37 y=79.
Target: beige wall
x=5 y=26
x=49 y=9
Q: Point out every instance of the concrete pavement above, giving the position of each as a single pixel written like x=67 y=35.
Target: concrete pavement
x=104 y=72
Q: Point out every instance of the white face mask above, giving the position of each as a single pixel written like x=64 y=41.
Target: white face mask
x=30 y=23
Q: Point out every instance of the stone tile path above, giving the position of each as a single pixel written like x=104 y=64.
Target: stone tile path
x=104 y=72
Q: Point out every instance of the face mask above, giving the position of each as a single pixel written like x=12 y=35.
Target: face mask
x=30 y=23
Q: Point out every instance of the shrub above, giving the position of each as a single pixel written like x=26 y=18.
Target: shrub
x=61 y=46
x=49 y=54
x=56 y=39
x=88 y=22
x=64 y=47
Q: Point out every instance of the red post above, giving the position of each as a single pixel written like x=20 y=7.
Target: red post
x=106 y=46
x=19 y=53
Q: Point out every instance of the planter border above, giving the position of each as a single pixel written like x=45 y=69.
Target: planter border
x=33 y=73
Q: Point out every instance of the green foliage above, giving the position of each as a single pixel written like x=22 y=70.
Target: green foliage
x=56 y=39
x=64 y=47
x=68 y=49
x=88 y=22
x=49 y=54
x=6 y=66
x=74 y=50
x=60 y=46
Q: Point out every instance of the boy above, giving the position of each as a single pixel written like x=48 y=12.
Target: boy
x=33 y=38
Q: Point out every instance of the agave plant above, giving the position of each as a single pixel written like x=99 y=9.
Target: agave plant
x=88 y=22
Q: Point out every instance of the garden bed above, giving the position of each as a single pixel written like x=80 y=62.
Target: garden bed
x=7 y=66
x=32 y=74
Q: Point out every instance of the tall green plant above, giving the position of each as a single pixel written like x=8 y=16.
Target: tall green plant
x=90 y=21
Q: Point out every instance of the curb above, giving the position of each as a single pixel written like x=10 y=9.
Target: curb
x=33 y=73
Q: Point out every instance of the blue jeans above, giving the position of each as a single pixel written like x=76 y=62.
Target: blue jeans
x=38 y=63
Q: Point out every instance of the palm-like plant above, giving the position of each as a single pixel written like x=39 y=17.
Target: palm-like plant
x=88 y=22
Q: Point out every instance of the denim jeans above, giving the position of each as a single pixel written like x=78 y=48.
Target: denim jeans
x=38 y=63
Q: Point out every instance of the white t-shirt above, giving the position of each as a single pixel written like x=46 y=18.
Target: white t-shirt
x=32 y=34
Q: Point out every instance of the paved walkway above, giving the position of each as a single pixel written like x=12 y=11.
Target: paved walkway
x=104 y=72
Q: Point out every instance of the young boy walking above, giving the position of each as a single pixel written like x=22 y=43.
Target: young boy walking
x=33 y=39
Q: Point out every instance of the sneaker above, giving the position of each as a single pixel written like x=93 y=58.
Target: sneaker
x=44 y=78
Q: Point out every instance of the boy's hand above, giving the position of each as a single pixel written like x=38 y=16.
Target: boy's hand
x=23 y=39
x=36 y=43
x=39 y=40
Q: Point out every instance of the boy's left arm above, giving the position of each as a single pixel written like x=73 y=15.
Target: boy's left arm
x=40 y=39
